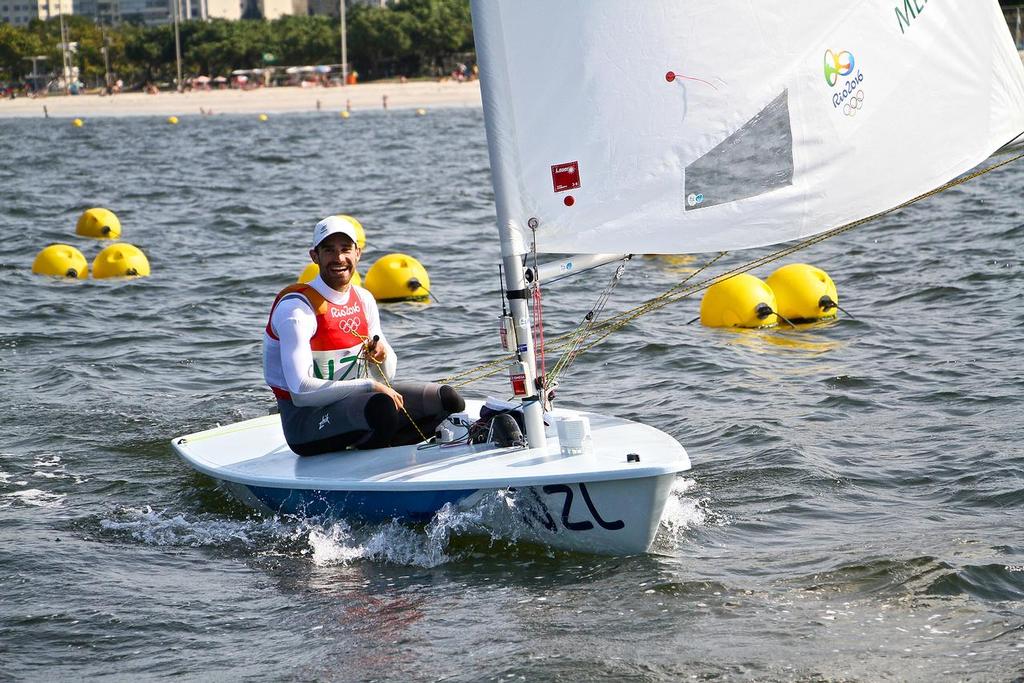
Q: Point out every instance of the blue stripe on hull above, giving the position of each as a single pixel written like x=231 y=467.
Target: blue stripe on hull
x=371 y=506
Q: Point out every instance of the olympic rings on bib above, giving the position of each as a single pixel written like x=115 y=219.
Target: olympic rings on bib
x=349 y=325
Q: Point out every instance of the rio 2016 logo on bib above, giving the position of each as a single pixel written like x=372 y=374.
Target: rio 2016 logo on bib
x=837 y=65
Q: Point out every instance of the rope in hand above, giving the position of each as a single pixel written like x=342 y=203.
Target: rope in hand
x=368 y=347
x=680 y=291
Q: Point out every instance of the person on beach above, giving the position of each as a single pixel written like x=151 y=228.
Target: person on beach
x=327 y=361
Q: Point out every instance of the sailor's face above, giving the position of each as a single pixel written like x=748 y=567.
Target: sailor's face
x=337 y=257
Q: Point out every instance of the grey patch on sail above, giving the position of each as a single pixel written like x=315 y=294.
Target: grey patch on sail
x=756 y=159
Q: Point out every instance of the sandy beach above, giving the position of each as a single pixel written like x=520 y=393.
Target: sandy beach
x=413 y=94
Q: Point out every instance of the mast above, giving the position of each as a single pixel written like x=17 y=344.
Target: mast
x=64 y=52
x=344 y=42
x=177 y=41
x=511 y=227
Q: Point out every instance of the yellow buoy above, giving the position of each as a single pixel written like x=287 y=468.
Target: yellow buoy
x=398 y=277
x=77 y=123
x=803 y=293
x=99 y=223
x=263 y=117
x=741 y=301
x=173 y=120
x=61 y=260
x=345 y=114
x=421 y=112
x=360 y=233
x=312 y=270
x=120 y=260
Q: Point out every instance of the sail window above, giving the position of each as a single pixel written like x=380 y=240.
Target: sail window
x=756 y=159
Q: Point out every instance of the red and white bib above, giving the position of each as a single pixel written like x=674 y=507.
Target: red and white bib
x=341 y=330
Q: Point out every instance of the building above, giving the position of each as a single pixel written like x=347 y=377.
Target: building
x=152 y=12
x=20 y=12
x=273 y=9
x=215 y=9
x=330 y=8
x=102 y=11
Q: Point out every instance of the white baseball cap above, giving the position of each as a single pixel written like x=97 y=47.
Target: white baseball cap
x=332 y=225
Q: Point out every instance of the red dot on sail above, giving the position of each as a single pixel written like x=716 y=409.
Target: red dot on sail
x=670 y=76
x=568 y=201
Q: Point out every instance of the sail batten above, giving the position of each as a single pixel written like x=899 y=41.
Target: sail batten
x=681 y=126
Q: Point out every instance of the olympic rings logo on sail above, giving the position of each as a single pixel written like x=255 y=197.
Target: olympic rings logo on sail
x=349 y=325
x=837 y=65
x=856 y=102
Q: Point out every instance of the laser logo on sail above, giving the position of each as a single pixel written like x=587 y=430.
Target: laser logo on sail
x=837 y=65
x=565 y=176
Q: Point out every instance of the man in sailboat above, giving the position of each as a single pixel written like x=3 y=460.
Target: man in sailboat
x=328 y=363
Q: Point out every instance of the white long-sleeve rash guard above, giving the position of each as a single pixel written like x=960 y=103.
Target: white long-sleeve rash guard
x=294 y=323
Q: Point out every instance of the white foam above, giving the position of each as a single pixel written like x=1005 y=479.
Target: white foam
x=494 y=514
x=164 y=528
x=36 y=498
x=394 y=543
x=333 y=545
x=325 y=543
x=683 y=514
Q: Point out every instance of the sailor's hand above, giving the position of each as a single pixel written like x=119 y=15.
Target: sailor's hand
x=375 y=351
x=395 y=396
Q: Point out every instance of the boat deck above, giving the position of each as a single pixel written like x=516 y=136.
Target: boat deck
x=254 y=453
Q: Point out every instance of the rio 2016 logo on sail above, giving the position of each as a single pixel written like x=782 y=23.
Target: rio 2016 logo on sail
x=851 y=97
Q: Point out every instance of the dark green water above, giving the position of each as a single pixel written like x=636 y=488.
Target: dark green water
x=854 y=510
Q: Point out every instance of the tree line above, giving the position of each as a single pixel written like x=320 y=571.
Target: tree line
x=414 y=37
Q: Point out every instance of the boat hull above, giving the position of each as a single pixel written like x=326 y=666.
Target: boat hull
x=604 y=517
x=607 y=498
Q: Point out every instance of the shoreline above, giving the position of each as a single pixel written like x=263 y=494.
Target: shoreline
x=279 y=100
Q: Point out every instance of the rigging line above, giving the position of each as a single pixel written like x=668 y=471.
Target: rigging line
x=677 y=293
x=651 y=304
x=1009 y=147
x=479 y=373
x=586 y=325
x=559 y=343
x=563 y=340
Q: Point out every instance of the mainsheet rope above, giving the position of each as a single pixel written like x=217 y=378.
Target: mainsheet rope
x=601 y=331
x=368 y=345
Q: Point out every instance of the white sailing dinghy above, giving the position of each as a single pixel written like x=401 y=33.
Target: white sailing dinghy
x=662 y=126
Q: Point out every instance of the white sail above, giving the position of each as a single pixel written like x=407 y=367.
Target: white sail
x=681 y=126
